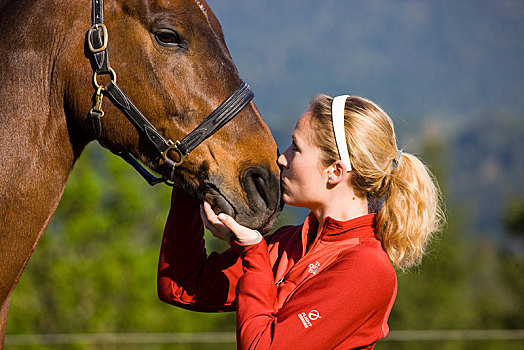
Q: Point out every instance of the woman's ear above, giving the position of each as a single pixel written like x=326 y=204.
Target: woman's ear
x=336 y=173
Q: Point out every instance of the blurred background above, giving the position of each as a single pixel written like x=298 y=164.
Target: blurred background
x=449 y=73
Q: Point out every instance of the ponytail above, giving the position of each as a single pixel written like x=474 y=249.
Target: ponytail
x=411 y=212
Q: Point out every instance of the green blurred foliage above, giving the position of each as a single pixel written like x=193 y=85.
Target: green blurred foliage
x=95 y=269
x=515 y=217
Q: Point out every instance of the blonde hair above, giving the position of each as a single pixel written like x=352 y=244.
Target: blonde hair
x=405 y=194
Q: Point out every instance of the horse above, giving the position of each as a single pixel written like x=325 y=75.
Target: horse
x=172 y=63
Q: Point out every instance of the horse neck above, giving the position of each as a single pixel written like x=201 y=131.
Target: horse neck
x=38 y=144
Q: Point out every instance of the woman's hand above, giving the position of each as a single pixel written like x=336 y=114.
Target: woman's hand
x=223 y=226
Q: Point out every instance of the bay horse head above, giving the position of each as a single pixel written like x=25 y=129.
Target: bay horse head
x=174 y=65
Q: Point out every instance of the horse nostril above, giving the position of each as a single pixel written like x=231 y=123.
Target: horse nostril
x=262 y=188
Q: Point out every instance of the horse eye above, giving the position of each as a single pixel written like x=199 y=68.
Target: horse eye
x=168 y=37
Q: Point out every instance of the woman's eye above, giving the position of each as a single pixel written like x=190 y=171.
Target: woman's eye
x=168 y=37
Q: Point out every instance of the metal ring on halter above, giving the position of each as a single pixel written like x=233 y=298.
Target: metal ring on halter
x=112 y=75
x=104 y=33
x=174 y=147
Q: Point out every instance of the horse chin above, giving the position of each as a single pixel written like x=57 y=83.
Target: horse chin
x=265 y=228
x=219 y=202
x=262 y=222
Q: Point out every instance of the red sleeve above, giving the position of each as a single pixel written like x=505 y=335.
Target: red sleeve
x=344 y=306
x=187 y=277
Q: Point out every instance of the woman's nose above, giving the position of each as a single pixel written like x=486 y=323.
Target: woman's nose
x=282 y=161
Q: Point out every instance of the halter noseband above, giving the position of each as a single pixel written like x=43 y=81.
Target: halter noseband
x=97 y=40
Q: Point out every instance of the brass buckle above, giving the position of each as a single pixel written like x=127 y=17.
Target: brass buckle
x=173 y=147
x=104 y=33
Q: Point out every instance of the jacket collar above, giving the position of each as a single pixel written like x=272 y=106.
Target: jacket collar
x=334 y=230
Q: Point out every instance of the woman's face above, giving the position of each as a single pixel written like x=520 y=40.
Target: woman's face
x=303 y=179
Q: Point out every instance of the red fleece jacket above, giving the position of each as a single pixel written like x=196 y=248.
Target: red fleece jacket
x=338 y=295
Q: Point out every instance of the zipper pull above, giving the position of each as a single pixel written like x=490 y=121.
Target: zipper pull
x=280 y=281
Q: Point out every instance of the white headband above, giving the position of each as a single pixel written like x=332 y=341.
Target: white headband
x=337 y=115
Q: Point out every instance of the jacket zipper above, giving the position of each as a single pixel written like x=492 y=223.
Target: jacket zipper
x=313 y=246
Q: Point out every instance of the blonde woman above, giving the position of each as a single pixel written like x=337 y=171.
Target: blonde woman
x=328 y=283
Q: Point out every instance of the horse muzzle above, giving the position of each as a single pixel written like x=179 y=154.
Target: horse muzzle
x=259 y=205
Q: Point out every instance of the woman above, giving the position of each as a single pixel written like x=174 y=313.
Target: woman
x=328 y=283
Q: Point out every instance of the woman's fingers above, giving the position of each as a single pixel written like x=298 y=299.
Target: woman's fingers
x=209 y=213
x=229 y=222
x=223 y=225
x=213 y=224
x=243 y=234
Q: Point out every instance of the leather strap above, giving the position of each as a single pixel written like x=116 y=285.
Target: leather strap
x=132 y=113
x=100 y=59
x=218 y=118
x=96 y=119
x=97 y=15
x=150 y=178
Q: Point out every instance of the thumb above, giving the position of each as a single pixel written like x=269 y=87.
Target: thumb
x=243 y=234
x=229 y=222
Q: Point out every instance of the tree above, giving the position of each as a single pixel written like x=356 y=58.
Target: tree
x=514 y=220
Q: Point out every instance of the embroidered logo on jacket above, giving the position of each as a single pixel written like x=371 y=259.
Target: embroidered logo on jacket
x=313 y=315
x=314 y=267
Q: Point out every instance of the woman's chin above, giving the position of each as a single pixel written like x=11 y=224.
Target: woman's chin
x=296 y=202
x=288 y=200
x=293 y=201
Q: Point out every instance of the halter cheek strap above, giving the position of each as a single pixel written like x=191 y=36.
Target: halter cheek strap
x=337 y=115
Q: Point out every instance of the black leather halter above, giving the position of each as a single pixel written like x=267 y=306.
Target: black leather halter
x=97 y=40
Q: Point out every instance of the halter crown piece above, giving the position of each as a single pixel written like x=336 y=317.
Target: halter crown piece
x=337 y=115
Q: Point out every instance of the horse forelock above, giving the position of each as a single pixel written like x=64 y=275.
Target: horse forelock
x=203 y=8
